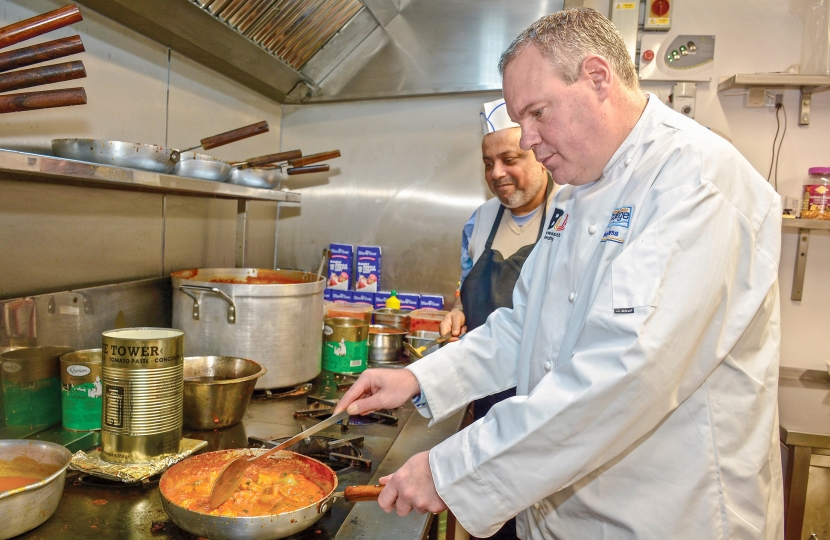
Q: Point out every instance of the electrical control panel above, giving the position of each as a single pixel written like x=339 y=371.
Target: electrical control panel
x=658 y=14
x=676 y=57
x=626 y=17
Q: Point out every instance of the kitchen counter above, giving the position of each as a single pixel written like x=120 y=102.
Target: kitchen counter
x=804 y=418
x=804 y=407
x=94 y=508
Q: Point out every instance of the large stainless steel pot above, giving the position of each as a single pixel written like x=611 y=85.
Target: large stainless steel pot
x=267 y=527
x=273 y=317
x=25 y=508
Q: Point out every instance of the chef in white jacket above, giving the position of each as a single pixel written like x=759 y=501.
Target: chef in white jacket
x=647 y=376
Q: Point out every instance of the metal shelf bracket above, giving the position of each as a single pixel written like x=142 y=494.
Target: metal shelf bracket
x=800 y=264
x=804 y=105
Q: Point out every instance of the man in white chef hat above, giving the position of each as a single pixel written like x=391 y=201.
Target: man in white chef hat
x=645 y=331
x=499 y=236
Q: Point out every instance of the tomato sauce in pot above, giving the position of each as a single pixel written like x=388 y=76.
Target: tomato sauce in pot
x=276 y=486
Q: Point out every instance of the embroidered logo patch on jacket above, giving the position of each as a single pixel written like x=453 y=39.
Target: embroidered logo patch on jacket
x=556 y=224
x=617 y=228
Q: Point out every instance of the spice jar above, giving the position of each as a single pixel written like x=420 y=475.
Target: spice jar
x=815 y=198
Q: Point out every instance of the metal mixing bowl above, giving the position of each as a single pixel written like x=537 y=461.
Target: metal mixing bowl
x=385 y=344
x=25 y=508
x=217 y=390
x=419 y=338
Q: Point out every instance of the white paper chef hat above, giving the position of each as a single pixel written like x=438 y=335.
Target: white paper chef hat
x=494 y=117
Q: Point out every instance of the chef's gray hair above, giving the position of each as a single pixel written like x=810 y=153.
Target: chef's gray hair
x=567 y=37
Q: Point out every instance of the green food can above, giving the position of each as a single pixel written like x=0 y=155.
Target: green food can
x=345 y=345
x=81 y=392
x=32 y=386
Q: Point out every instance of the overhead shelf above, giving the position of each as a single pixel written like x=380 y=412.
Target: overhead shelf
x=48 y=168
x=808 y=84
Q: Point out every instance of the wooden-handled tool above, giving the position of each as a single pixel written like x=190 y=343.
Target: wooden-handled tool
x=39 y=25
x=225 y=138
x=26 y=78
x=35 y=54
x=306 y=170
x=314 y=158
x=47 y=99
x=360 y=493
x=419 y=351
x=269 y=159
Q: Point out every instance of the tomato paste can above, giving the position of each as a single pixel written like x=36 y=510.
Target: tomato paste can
x=345 y=345
x=81 y=390
x=32 y=385
x=143 y=402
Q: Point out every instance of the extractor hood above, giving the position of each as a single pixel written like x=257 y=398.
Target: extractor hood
x=297 y=51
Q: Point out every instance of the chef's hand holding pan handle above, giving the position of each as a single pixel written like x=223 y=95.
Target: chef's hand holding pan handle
x=453 y=321
x=411 y=488
x=379 y=389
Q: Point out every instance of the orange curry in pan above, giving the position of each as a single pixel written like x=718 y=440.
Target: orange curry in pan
x=274 y=487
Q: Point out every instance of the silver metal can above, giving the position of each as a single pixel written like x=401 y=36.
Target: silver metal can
x=143 y=376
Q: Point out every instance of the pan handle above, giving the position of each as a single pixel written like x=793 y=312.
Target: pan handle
x=196 y=310
x=26 y=78
x=39 y=24
x=314 y=158
x=362 y=493
x=45 y=99
x=234 y=135
x=270 y=158
x=35 y=54
x=308 y=169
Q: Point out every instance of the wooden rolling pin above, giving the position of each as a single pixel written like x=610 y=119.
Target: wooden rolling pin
x=306 y=170
x=314 y=158
x=39 y=25
x=35 y=54
x=47 y=99
x=26 y=78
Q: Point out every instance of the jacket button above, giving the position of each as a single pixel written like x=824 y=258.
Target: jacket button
x=627 y=161
x=547 y=368
x=536 y=505
x=571 y=297
x=592 y=229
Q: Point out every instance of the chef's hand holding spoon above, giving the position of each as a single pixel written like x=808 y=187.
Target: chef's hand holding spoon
x=411 y=487
x=453 y=322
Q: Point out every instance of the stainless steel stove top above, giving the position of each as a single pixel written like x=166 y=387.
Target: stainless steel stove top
x=93 y=507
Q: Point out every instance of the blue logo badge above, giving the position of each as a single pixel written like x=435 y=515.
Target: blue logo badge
x=617 y=228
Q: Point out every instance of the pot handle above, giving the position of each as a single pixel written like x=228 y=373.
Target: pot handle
x=231 y=305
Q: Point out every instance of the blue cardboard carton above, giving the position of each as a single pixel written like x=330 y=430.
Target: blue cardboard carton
x=338 y=296
x=432 y=301
x=380 y=299
x=340 y=266
x=409 y=300
x=363 y=298
x=367 y=277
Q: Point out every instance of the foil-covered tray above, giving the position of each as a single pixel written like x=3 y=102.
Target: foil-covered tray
x=92 y=464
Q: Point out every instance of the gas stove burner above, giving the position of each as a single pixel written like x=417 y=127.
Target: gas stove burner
x=96 y=481
x=339 y=454
x=279 y=393
x=322 y=408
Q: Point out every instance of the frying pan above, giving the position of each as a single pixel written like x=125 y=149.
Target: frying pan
x=149 y=157
x=266 y=527
x=202 y=166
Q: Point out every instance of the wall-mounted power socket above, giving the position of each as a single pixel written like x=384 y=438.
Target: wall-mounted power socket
x=756 y=97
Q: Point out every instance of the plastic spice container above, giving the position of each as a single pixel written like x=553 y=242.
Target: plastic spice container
x=426 y=319
x=815 y=198
x=349 y=310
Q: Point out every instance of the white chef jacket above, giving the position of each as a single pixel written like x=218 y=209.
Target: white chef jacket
x=644 y=344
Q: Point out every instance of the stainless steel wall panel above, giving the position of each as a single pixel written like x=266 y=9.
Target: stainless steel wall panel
x=409 y=177
x=199 y=233
x=60 y=237
x=262 y=218
x=383 y=10
x=77 y=318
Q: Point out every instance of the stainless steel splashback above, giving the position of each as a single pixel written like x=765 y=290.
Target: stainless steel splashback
x=77 y=318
